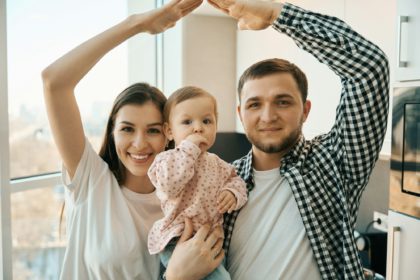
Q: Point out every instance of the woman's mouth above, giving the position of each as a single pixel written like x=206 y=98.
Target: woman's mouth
x=140 y=158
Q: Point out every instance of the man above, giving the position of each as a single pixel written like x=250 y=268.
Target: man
x=304 y=195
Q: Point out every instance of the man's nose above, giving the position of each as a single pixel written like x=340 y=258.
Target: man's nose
x=268 y=114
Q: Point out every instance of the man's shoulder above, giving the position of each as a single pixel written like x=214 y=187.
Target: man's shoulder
x=242 y=165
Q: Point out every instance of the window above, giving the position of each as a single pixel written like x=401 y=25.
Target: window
x=38 y=32
x=31 y=197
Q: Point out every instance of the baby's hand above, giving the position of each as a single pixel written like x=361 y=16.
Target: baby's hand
x=198 y=140
x=226 y=202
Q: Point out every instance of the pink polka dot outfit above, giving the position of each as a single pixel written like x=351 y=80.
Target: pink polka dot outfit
x=188 y=183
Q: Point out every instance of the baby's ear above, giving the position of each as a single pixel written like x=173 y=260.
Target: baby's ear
x=167 y=131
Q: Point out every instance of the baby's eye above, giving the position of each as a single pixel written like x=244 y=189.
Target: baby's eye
x=207 y=121
x=186 y=122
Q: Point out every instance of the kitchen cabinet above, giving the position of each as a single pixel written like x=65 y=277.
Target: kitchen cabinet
x=403 y=247
x=408 y=40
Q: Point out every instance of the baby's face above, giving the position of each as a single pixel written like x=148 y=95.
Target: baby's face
x=193 y=116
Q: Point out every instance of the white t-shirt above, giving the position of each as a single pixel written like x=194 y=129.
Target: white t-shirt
x=269 y=240
x=107 y=225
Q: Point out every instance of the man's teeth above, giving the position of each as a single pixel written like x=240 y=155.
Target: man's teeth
x=139 y=157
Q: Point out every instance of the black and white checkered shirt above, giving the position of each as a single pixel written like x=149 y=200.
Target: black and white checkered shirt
x=328 y=174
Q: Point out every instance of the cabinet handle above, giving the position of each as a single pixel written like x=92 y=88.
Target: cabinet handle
x=391 y=257
x=401 y=20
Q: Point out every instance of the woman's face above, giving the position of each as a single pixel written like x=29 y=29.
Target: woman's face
x=138 y=135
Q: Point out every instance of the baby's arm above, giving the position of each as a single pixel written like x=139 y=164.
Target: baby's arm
x=234 y=193
x=173 y=169
x=226 y=202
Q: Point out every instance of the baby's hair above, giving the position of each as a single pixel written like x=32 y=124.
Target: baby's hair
x=183 y=94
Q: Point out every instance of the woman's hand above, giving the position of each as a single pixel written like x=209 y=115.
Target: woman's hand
x=197 y=256
x=157 y=21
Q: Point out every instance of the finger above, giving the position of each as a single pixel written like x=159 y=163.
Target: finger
x=218 y=247
x=188 y=231
x=202 y=233
x=232 y=208
x=242 y=25
x=228 y=206
x=215 y=4
x=188 y=6
x=224 y=198
x=219 y=258
x=211 y=240
x=223 y=206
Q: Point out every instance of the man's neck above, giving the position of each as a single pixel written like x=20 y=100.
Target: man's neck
x=265 y=161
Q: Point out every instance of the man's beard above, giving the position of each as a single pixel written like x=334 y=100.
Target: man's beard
x=282 y=147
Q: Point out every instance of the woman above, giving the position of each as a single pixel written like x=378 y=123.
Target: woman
x=110 y=199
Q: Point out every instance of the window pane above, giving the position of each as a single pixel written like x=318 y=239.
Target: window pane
x=38 y=248
x=38 y=32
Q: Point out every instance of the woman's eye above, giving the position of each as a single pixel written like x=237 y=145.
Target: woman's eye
x=127 y=129
x=155 y=131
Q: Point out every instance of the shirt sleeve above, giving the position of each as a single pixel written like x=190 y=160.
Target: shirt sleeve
x=173 y=169
x=90 y=169
x=361 y=117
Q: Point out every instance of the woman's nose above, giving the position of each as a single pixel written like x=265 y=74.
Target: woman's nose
x=139 y=141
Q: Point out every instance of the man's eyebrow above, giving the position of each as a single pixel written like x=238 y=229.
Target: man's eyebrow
x=277 y=96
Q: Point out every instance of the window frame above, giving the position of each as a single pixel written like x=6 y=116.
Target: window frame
x=5 y=207
x=10 y=186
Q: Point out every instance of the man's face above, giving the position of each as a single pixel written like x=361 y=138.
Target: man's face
x=272 y=112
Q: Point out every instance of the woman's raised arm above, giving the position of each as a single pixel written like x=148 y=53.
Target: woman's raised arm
x=62 y=76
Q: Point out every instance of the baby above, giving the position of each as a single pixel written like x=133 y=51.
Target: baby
x=189 y=181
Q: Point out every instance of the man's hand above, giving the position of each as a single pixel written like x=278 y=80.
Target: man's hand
x=226 y=202
x=157 y=21
x=253 y=15
x=196 y=256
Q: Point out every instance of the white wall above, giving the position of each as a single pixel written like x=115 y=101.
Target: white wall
x=201 y=51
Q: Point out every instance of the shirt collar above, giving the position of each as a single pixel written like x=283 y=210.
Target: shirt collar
x=290 y=158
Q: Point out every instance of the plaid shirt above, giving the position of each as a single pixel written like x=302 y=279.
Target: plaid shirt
x=328 y=174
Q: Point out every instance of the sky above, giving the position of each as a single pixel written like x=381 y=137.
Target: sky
x=40 y=31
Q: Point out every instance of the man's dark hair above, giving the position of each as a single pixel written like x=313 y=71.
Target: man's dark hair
x=273 y=66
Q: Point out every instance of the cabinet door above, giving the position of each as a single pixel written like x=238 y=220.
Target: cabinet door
x=403 y=247
x=408 y=40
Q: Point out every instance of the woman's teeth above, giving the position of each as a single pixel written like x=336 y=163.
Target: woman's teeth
x=139 y=157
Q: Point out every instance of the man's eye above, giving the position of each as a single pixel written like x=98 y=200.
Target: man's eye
x=253 y=105
x=283 y=102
